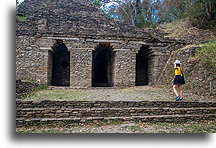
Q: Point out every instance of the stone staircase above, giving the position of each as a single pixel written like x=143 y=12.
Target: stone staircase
x=69 y=112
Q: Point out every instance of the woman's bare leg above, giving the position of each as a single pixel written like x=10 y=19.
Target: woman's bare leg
x=181 y=91
x=175 y=87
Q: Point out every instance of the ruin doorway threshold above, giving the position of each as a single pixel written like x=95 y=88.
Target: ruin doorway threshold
x=59 y=87
x=87 y=88
x=97 y=87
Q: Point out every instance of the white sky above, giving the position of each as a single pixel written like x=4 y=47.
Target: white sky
x=20 y=1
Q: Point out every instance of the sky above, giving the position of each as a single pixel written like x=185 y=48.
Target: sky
x=20 y=1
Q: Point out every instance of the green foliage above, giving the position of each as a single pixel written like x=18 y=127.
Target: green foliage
x=207 y=53
x=21 y=17
x=139 y=13
x=97 y=3
x=201 y=13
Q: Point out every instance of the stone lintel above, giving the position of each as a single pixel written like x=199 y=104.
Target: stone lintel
x=70 y=48
x=89 y=49
x=138 y=42
x=121 y=49
x=45 y=48
x=62 y=38
x=107 y=41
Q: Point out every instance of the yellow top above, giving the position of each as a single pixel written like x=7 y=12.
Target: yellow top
x=178 y=71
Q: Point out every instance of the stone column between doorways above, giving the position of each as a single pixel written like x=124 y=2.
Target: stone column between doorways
x=80 y=67
x=124 y=68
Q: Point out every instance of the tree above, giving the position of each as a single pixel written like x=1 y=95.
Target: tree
x=128 y=11
x=201 y=13
x=141 y=13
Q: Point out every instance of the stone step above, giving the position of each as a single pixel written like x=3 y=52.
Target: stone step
x=160 y=118
x=107 y=112
x=110 y=104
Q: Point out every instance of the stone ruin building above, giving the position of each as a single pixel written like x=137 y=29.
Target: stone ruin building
x=74 y=44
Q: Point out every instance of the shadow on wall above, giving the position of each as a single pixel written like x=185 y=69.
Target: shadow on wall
x=60 y=64
x=103 y=66
x=142 y=67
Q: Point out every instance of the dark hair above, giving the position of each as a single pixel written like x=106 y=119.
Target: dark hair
x=178 y=65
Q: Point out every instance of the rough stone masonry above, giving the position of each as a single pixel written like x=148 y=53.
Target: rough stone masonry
x=74 y=44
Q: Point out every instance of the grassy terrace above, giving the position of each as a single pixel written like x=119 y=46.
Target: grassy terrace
x=125 y=127
x=146 y=93
x=133 y=93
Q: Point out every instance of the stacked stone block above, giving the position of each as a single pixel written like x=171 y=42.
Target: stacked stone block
x=69 y=112
x=81 y=68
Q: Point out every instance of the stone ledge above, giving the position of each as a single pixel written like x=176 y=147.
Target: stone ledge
x=110 y=104
x=108 y=112
x=161 y=118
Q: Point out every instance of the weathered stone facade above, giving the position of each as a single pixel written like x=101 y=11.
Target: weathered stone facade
x=93 y=50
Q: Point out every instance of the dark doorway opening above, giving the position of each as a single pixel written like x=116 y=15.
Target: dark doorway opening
x=142 y=66
x=61 y=64
x=102 y=66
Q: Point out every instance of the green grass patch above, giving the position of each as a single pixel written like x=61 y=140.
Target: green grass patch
x=134 y=128
x=21 y=17
x=57 y=94
x=204 y=126
x=173 y=29
x=133 y=93
x=207 y=53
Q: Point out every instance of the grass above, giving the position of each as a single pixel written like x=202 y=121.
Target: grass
x=134 y=128
x=207 y=53
x=204 y=126
x=188 y=127
x=182 y=29
x=172 y=29
x=57 y=94
x=21 y=18
x=133 y=93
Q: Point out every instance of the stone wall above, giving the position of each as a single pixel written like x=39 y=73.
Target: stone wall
x=110 y=104
x=35 y=59
x=81 y=67
x=124 y=70
x=31 y=61
x=106 y=112
x=82 y=28
x=68 y=112
x=25 y=87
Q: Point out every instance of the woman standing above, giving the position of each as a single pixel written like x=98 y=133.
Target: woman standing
x=178 y=81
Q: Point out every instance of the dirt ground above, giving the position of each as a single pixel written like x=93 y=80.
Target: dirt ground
x=147 y=93
x=126 y=127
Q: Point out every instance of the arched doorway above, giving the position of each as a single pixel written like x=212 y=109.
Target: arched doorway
x=142 y=67
x=61 y=64
x=102 y=66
